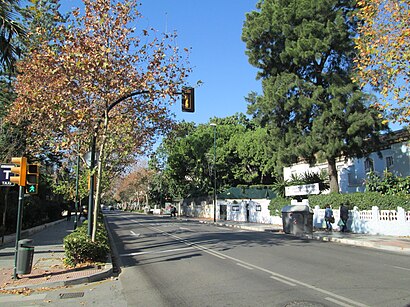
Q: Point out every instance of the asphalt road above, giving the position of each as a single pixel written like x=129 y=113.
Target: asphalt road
x=166 y=262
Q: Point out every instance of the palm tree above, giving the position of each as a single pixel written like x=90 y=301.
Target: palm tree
x=9 y=28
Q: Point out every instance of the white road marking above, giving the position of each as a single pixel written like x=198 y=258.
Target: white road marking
x=336 y=302
x=184 y=228
x=157 y=252
x=283 y=281
x=135 y=234
x=244 y=266
x=400 y=268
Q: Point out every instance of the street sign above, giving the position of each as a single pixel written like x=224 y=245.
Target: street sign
x=300 y=190
x=5 y=172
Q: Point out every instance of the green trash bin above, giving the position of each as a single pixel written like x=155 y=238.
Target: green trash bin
x=25 y=253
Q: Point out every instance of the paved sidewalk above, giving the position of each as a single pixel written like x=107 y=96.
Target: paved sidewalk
x=48 y=270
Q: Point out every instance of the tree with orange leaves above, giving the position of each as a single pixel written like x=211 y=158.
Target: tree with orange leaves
x=383 y=59
x=83 y=82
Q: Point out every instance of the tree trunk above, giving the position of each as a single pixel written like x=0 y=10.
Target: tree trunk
x=332 y=171
x=99 y=176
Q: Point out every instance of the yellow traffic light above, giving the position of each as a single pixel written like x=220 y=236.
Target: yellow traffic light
x=33 y=173
x=19 y=171
x=89 y=183
x=188 y=99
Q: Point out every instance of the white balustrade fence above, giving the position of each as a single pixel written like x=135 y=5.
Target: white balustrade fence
x=375 y=221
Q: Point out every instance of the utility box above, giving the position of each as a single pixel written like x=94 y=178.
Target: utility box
x=25 y=254
x=297 y=219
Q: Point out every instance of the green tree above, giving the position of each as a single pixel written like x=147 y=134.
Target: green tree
x=304 y=51
x=10 y=28
x=82 y=78
x=187 y=157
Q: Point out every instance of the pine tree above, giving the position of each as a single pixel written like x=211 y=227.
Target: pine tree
x=304 y=50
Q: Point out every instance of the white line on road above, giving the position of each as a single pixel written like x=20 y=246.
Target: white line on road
x=244 y=266
x=184 y=228
x=157 y=252
x=135 y=234
x=400 y=268
x=283 y=281
x=336 y=302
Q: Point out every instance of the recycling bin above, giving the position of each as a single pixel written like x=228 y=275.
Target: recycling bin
x=25 y=254
x=297 y=219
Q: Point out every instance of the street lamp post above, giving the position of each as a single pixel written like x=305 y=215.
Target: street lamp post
x=214 y=125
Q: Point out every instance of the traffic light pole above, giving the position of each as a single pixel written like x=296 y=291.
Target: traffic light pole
x=18 y=227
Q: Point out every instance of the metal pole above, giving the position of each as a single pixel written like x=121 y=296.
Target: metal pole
x=214 y=173
x=18 y=227
x=76 y=190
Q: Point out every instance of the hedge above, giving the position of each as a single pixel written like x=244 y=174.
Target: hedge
x=79 y=248
x=363 y=201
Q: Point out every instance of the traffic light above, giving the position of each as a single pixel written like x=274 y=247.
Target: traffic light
x=188 y=99
x=89 y=183
x=33 y=173
x=19 y=171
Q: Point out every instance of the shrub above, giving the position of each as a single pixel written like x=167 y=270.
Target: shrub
x=276 y=205
x=363 y=201
x=79 y=248
x=388 y=184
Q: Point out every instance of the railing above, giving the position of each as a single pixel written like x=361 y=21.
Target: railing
x=375 y=221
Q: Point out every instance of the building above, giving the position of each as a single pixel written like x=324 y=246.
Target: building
x=392 y=154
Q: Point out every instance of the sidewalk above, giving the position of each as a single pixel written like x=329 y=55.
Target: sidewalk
x=48 y=270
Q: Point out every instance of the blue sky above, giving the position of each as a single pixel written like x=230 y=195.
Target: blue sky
x=213 y=30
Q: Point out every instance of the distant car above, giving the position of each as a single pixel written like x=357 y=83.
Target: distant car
x=111 y=208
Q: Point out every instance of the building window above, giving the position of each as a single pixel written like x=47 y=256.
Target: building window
x=258 y=208
x=235 y=208
x=368 y=165
x=389 y=162
x=352 y=176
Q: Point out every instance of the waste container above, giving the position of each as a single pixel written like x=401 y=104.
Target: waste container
x=25 y=253
x=297 y=219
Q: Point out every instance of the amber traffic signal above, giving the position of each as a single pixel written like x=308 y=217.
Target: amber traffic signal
x=19 y=171
x=188 y=99
x=33 y=173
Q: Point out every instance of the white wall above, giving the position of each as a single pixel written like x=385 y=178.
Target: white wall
x=258 y=211
x=352 y=173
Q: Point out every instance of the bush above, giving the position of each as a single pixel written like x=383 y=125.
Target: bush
x=363 y=201
x=388 y=184
x=80 y=249
x=276 y=205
